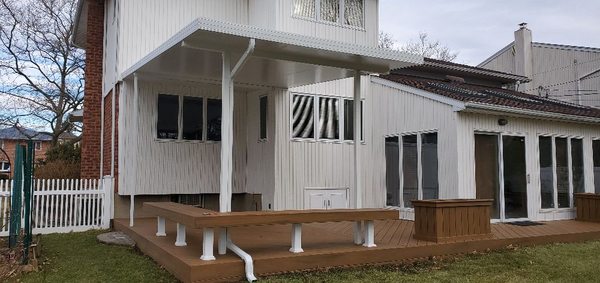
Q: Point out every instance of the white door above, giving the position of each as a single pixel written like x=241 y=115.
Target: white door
x=326 y=198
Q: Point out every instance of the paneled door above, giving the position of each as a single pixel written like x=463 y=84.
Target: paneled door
x=501 y=174
x=326 y=198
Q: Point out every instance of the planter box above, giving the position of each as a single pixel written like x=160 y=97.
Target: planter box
x=452 y=220
x=588 y=207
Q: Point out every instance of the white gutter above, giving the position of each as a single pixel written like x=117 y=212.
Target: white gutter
x=242 y=61
x=476 y=107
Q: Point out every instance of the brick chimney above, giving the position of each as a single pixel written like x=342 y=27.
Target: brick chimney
x=523 y=51
x=90 y=142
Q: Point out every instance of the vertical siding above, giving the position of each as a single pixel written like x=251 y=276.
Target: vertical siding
x=305 y=164
x=146 y=24
x=109 y=77
x=531 y=129
x=174 y=167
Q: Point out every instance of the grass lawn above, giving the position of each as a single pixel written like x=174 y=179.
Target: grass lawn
x=77 y=257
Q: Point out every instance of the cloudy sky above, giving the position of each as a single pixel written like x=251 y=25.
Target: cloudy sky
x=479 y=28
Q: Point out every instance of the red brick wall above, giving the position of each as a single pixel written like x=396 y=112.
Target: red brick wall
x=90 y=142
x=107 y=148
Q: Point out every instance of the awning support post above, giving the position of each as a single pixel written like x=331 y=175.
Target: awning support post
x=358 y=192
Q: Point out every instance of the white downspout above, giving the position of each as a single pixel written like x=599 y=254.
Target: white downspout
x=227 y=100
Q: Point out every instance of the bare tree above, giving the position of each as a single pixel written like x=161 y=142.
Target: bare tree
x=41 y=70
x=423 y=46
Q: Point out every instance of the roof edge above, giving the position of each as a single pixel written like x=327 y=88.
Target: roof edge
x=495 y=55
x=76 y=26
x=565 y=47
x=477 y=70
x=485 y=107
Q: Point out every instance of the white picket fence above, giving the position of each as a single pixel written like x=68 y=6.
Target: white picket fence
x=62 y=206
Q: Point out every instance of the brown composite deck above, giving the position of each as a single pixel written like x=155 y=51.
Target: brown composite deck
x=328 y=245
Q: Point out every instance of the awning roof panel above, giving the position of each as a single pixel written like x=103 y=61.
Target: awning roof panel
x=279 y=59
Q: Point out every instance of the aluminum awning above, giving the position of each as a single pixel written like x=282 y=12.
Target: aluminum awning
x=279 y=59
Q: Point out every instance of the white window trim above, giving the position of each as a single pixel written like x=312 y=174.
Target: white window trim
x=419 y=166
x=180 y=121
x=35 y=143
x=341 y=21
x=340 y=139
x=554 y=174
x=2 y=164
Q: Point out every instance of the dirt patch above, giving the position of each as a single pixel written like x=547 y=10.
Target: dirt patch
x=11 y=259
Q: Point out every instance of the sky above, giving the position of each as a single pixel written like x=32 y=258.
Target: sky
x=479 y=28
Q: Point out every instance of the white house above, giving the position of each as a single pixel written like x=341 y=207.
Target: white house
x=565 y=72
x=244 y=104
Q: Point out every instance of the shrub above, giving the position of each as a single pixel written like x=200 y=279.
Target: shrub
x=58 y=169
x=65 y=151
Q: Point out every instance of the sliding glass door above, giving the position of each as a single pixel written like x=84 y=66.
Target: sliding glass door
x=501 y=174
x=596 y=150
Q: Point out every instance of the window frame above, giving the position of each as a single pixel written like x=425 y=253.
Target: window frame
x=341 y=119
x=36 y=147
x=260 y=125
x=594 y=181
x=553 y=138
x=180 y=120
x=2 y=166
x=341 y=22
x=419 y=134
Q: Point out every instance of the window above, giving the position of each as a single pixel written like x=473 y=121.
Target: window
x=37 y=145
x=188 y=121
x=263 y=110
x=349 y=120
x=4 y=166
x=168 y=117
x=323 y=113
x=596 y=158
x=2 y=144
x=193 y=109
x=213 y=120
x=329 y=118
x=561 y=172
x=411 y=168
x=346 y=12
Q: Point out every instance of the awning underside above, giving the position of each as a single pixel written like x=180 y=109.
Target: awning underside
x=278 y=59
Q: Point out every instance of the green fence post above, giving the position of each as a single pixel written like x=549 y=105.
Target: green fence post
x=15 y=200
x=28 y=199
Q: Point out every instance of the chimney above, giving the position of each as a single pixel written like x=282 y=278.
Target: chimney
x=523 y=51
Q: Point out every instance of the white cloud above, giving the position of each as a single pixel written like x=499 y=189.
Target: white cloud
x=479 y=28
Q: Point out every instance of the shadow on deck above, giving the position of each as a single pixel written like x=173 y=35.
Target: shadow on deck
x=328 y=245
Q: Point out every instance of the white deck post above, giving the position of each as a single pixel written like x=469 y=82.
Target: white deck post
x=208 y=240
x=223 y=241
x=160 y=231
x=226 y=145
x=180 y=242
x=357 y=159
x=296 y=238
x=369 y=234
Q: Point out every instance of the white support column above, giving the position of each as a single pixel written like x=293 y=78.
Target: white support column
x=131 y=209
x=136 y=110
x=369 y=234
x=223 y=236
x=357 y=229
x=180 y=242
x=357 y=141
x=208 y=240
x=296 y=239
x=226 y=136
x=160 y=231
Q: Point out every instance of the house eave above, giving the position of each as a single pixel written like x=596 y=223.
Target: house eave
x=484 y=108
x=79 y=27
x=495 y=55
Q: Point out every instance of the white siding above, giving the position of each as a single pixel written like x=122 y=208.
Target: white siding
x=169 y=167
x=387 y=111
x=531 y=129
x=109 y=77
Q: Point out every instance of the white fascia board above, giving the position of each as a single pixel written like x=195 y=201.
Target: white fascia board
x=476 y=107
x=456 y=104
x=506 y=48
x=397 y=59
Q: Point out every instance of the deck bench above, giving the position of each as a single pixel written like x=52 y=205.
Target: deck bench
x=199 y=218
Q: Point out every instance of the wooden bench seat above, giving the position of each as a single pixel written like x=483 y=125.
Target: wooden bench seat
x=198 y=218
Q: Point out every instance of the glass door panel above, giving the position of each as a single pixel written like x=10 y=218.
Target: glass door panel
x=392 y=171
x=515 y=177
x=487 y=170
x=562 y=172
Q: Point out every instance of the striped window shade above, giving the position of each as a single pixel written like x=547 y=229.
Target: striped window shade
x=328 y=118
x=304 y=8
x=354 y=13
x=303 y=116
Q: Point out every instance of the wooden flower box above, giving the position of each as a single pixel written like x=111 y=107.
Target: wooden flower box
x=452 y=220
x=588 y=207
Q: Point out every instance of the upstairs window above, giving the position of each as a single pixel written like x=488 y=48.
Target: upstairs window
x=187 y=117
x=4 y=166
x=323 y=115
x=346 y=12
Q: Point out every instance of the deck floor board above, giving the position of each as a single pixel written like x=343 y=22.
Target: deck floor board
x=328 y=245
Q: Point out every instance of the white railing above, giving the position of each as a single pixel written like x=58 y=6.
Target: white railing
x=62 y=206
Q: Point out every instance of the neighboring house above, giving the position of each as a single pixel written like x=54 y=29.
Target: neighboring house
x=569 y=73
x=10 y=137
x=279 y=133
